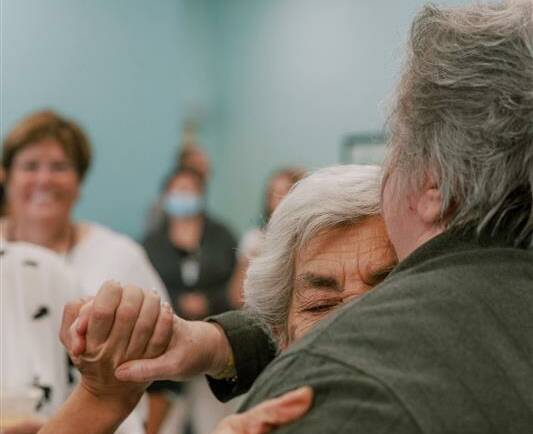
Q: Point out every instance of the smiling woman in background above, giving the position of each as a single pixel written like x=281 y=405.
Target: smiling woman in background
x=45 y=158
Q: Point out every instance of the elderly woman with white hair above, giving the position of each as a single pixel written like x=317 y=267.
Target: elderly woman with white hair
x=325 y=245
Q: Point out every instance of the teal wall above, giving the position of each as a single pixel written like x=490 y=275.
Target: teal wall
x=273 y=82
x=297 y=75
x=127 y=70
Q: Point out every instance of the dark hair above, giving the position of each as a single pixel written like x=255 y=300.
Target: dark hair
x=293 y=174
x=47 y=124
x=184 y=171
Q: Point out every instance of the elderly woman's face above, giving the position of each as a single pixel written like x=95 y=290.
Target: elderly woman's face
x=42 y=182
x=336 y=267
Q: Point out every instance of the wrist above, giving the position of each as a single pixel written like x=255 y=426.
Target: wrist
x=90 y=413
x=222 y=356
x=118 y=401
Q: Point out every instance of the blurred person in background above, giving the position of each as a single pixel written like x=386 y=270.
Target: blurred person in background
x=194 y=157
x=45 y=158
x=193 y=253
x=277 y=187
x=195 y=256
x=2 y=192
x=190 y=156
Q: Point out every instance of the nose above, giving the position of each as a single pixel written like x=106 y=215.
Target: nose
x=44 y=175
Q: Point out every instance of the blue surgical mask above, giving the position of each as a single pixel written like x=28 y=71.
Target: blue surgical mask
x=183 y=204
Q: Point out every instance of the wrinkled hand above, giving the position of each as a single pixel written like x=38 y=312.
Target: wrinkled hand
x=119 y=324
x=268 y=415
x=196 y=348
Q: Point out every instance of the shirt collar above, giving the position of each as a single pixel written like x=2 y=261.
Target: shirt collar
x=446 y=243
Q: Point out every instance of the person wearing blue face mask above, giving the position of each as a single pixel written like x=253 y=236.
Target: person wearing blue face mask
x=195 y=256
x=180 y=205
x=193 y=253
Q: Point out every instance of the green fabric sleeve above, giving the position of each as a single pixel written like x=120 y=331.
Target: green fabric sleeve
x=253 y=350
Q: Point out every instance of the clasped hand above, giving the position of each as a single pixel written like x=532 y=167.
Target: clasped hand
x=124 y=338
x=119 y=324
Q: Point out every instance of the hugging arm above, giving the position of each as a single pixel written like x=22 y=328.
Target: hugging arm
x=252 y=349
x=205 y=347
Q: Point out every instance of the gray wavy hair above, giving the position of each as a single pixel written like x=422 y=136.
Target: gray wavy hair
x=326 y=199
x=463 y=112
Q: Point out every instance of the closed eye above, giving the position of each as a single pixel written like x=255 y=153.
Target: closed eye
x=320 y=307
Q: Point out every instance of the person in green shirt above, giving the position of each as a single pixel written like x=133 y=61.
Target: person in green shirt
x=445 y=343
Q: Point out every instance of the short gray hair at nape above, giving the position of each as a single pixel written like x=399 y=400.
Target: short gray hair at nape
x=326 y=199
x=463 y=113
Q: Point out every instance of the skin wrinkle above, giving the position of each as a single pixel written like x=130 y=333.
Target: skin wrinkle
x=330 y=198
x=335 y=267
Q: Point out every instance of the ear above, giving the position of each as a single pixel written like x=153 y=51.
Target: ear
x=429 y=204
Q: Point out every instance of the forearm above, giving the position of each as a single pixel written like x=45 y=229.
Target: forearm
x=86 y=413
x=223 y=351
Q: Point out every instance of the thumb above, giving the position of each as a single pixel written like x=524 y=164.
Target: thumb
x=283 y=410
x=269 y=415
x=142 y=371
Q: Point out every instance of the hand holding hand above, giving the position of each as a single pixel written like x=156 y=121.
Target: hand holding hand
x=120 y=324
x=196 y=348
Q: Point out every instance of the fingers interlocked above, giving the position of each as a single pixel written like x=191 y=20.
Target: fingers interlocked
x=119 y=324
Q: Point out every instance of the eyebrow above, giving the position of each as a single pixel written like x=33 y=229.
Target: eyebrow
x=312 y=280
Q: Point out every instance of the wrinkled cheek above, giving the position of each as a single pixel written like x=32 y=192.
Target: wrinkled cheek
x=302 y=325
